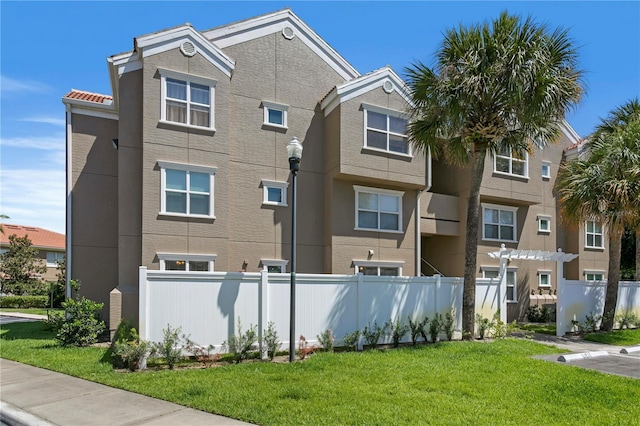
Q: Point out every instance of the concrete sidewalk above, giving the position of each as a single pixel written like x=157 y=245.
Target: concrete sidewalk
x=38 y=397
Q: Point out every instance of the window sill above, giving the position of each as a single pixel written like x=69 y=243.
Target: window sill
x=275 y=126
x=188 y=216
x=265 y=203
x=388 y=231
x=500 y=241
x=594 y=248
x=397 y=154
x=510 y=175
x=544 y=231
x=206 y=130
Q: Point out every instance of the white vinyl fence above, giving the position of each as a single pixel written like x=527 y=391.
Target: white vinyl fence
x=207 y=306
x=577 y=299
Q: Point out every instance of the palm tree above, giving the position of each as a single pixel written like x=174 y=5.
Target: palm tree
x=605 y=187
x=502 y=85
x=3 y=216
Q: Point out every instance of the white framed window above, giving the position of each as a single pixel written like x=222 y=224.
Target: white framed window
x=383 y=269
x=187 y=100
x=187 y=190
x=593 y=275
x=275 y=115
x=53 y=257
x=507 y=163
x=186 y=262
x=378 y=209
x=494 y=272
x=544 y=224
x=544 y=278
x=593 y=235
x=499 y=222
x=274 y=193
x=546 y=169
x=385 y=130
x=277 y=266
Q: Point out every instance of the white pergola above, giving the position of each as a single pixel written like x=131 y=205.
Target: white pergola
x=505 y=254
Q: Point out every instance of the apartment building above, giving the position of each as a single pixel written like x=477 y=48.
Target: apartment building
x=185 y=168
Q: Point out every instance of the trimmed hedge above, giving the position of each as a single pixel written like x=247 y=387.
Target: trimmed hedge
x=24 y=302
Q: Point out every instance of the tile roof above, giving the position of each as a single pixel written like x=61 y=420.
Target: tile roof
x=89 y=97
x=41 y=238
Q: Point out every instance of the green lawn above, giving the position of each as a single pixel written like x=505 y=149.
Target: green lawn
x=616 y=337
x=35 y=311
x=539 y=328
x=446 y=383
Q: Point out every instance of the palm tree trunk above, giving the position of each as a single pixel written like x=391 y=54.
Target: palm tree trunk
x=638 y=255
x=611 y=298
x=471 y=246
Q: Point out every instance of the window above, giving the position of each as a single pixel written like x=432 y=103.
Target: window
x=593 y=235
x=494 y=272
x=274 y=193
x=187 y=100
x=276 y=266
x=385 y=130
x=275 y=115
x=544 y=278
x=594 y=275
x=187 y=190
x=546 y=169
x=508 y=163
x=544 y=224
x=499 y=223
x=383 y=269
x=186 y=262
x=378 y=209
x=53 y=257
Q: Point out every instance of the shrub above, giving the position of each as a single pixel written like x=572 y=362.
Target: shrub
x=372 y=334
x=79 y=325
x=350 y=340
x=170 y=348
x=435 y=326
x=241 y=344
x=483 y=325
x=132 y=353
x=447 y=324
x=24 y=302
x=398 y=330
x=591 y=323
x=327 y=340
x=270 y=340
x=204 y=354
x=626 y=319
x=416 y=329
x=500 y=329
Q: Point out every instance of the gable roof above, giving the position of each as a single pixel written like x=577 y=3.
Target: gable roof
x=40 y=238
x=260 y=26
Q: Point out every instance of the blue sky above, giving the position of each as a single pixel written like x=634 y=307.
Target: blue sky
x=47 y=48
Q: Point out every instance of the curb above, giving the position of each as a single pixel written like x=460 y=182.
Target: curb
x=14 y=416
x=630 y=350
x=581 y=356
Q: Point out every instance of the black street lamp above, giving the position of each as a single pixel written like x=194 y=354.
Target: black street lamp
x=294 y=152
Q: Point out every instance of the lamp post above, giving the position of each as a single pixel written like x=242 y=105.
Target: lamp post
x=294 y=152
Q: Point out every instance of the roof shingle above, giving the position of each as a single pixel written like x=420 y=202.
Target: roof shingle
x=89 y=97
x=41 y=238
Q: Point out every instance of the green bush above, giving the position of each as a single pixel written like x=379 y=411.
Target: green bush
x=350 y=340
x=435 y=326
x=448 y=324
x=242 y=344
x=326 y=340
x=270 y=340
x=79 y=325
x=373 y=333
x=398 y=330
x=483 y=325
x=132 y=353
x=416 y=329
x=170 y=348
x=24 y=302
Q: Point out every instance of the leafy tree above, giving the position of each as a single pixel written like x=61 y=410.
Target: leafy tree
x=19 y=266
x=3 y=216
x=605 y=187
x=501 y=86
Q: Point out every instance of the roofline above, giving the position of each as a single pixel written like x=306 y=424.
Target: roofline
x=94 y=109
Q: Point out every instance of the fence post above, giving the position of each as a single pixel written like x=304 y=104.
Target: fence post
x=560 y=309
x=263 y=312
x=359 y=277
x=435 y=293
x=142 y=302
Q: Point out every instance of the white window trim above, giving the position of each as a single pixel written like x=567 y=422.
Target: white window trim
x=505 y=208
x=211 y=171
x=594 y=271
x=542 y=217
x=189 y=78
x=379 y=264
x=515 y=279
x=357 y=189
x=388 y=112
x=586 y=235
x=266 y=106
x=540 y=274
x=548 y=164
x=274 y=262
x=511 y=160
x=266 y=184
x=211 y=258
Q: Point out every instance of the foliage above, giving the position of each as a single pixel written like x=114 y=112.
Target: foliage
x=397 y=329
x=539 y=328
x=416 y=329
x=24 y=302
x=241 y=344
x=204 y=354
x=270 y=341
x=626 y=337
x=591 y=323
x=350 y=340
x=435 y=326
x=373 y=333
x=132 y=351
x=326 y=340
x=448 y=324
x=170 y=348
x=627 y=319
x=79 y=324
x=500 y=329
x=483 y=325
x=536 y=313
x=19 y=266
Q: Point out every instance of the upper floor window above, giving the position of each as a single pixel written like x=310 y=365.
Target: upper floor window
x=274 y=193
x=187 y=100
x=187 y=190
x=544 y=278
x=53 y=257
x=275 y=266
x=275 y=115
x=378 y=209
x=546 y=169
x=186 y=262
x=498 y=222
x=544 y=223
x=594 y=275
x=385 y=130
x=383 y=269
x=593 y=235
x=506 y=162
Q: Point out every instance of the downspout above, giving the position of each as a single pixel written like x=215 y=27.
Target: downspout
x=69 y=174
x=418 y=237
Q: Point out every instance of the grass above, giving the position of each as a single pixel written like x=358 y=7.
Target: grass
x=616 y=337
x=449 y=382
x=539 y=328
x=35 y=311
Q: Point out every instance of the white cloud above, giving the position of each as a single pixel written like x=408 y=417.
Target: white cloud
x=11 y=85
x=47 y=143
x=45 y=120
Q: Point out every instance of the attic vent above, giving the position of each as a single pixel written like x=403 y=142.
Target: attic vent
x=387 y=86
x=188 y=48
x=288 y=33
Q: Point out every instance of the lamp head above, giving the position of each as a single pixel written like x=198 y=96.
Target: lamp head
x=294 y=152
